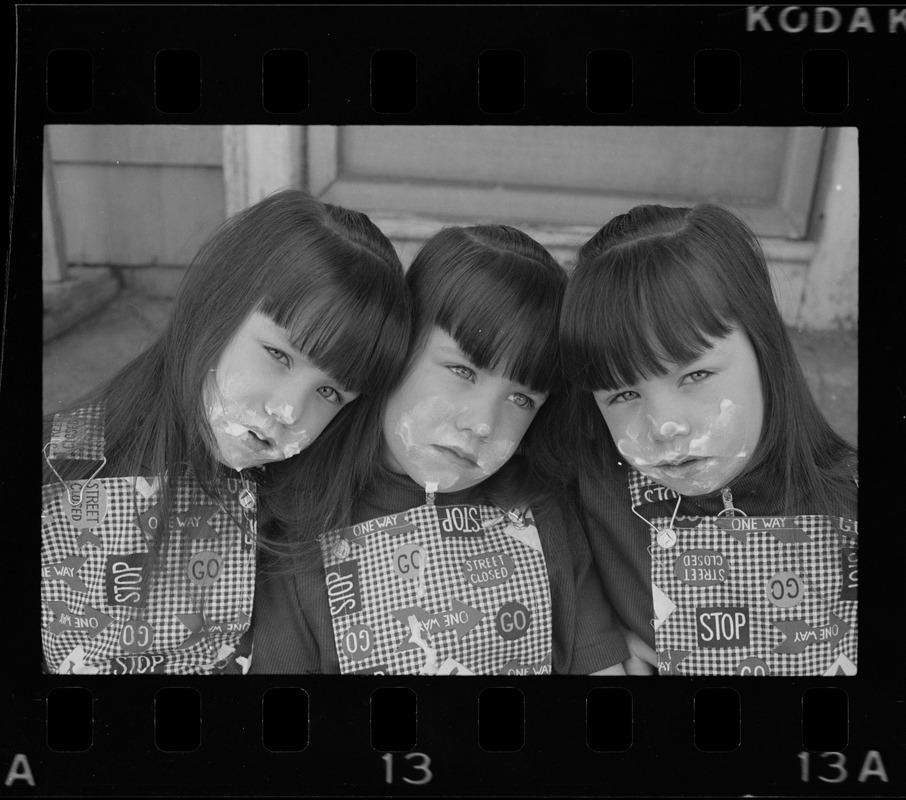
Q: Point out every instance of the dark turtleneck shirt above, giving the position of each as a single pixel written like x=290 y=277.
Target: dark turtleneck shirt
x=292 y=630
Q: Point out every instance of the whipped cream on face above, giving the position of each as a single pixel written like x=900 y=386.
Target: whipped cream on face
x=713 y=455
x=430 y=425
x=245 y=436
x=283 y=414
x=673 y=428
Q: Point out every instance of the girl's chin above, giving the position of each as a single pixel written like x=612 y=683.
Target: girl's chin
x=699 y=478
x=240 y=458
x=445 y=484
x=690 y=489
x=244 y=463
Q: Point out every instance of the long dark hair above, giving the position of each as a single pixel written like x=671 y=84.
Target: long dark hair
x=326 y=274
x=649 y=287
x=498 y=293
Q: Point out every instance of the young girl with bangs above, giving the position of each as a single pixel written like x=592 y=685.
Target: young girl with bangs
x=455 y=553
x=151 y=501
x=721 y=507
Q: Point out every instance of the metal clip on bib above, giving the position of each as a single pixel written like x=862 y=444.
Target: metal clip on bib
x=729 y=509
x=78 y=502
x=430 y=492
x=666 y=537
x=517 y=518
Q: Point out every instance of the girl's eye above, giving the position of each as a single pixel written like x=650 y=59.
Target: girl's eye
x=277 y=355
x=698 y=376
x=330 y=394
x=522 y=401
x=465 y=373
x=622 y=397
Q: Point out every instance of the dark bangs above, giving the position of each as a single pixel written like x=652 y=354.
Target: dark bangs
x=346 y=311
x=498 y=294
x=631 y=312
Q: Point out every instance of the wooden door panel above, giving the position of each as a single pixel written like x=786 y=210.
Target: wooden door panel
x=561 y=175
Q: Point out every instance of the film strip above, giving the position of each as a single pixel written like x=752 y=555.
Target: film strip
x=152 y=735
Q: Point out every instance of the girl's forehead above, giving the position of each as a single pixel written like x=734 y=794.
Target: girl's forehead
x=259 y=323
x=438 y=340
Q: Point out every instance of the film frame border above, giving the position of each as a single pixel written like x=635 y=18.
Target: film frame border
x=555 y=758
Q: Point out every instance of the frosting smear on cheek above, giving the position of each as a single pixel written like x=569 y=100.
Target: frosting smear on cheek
x=231 y=419
x=430 y=423
x=493 y=455
x=416 y=429
x=723 y=440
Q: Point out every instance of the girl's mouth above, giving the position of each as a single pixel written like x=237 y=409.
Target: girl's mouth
x=681 y=469
x=681 y=462
x=257 y=442
x=459 y=456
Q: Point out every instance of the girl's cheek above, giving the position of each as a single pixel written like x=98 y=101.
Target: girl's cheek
x=296 y=443
x=283 y=414
x=417 y=429
x=493 y=455
x=224 y=399
x=230 y=416
x=633 y=440
x=724 y=434
x=734 y=424
x=418 y=426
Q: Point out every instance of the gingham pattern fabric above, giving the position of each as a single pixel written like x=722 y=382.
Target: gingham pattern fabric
x=481 y=606
x=753 y=596
x=93 y=616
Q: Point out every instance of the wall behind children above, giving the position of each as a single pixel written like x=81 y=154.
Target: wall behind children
x=137 y=201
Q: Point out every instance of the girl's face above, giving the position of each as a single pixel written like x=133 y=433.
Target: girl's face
x=265 y=401
x=450 y=425
x=695 y=428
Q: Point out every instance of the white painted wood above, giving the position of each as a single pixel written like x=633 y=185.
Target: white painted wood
x=566 y=175
x=53 y=245
x=133 y=215
x=831 y=292
x=735 y=162
x=194 y=145
x=321 y=158
x=235 y=168
x=259 y=160
x=798 y=177
x=518 y=206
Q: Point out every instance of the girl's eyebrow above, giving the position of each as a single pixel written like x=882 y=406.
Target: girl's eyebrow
x=717 y=350
x=452 y=351
x=275 y=331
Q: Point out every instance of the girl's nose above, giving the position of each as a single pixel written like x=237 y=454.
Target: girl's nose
x=286 y=409
x=667 y=426
x=477 y=418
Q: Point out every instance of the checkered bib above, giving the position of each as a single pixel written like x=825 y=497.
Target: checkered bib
x=440 y=590
x=102 y=613
x=737 y=595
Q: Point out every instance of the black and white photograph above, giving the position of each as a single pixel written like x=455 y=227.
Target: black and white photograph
x=454 y=400
x=220 y=297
